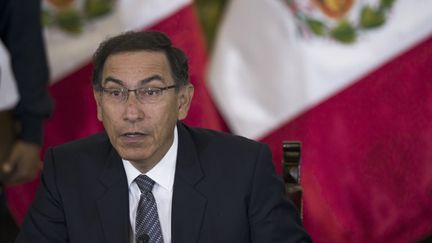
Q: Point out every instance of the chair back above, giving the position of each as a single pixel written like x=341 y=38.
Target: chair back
x=291 y=153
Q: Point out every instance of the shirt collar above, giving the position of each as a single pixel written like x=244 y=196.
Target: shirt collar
x=163 y=172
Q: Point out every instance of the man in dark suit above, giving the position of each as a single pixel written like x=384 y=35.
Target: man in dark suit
x=149 y=177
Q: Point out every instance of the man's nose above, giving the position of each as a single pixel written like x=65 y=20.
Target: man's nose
x=133 y=110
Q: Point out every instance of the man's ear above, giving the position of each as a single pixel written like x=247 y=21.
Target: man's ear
x=184 y=100
x=97 y=97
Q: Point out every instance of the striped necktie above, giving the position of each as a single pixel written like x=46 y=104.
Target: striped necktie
x=147 y=226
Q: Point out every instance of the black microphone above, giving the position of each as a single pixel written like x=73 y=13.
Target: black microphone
x=143 y=239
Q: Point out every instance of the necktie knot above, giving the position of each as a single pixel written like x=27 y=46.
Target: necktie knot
x=144 y=183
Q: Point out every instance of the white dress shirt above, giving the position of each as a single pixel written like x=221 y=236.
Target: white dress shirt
x=163 y=175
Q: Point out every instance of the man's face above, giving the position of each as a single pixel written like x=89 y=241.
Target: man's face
x=141 y=132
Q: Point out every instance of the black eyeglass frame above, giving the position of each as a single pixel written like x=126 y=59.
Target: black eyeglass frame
x=123 y=89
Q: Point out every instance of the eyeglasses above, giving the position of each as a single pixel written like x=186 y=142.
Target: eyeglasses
x=144 y=95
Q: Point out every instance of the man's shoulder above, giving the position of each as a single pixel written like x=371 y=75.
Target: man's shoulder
x=84 y=156
x=95 y=142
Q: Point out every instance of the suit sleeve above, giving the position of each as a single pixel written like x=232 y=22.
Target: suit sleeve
x=45 y=221
x=273 y=216
x=21 y=32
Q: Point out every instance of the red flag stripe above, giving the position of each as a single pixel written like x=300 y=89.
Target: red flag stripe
x=366 y=155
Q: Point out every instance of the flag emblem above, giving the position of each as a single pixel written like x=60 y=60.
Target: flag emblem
x=71 y=15
x=343 y=21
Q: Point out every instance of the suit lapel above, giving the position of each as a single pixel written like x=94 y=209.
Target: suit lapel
x=113 y=204
x=188 y=204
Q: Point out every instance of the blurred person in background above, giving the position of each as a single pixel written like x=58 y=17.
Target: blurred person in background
x=21 y=125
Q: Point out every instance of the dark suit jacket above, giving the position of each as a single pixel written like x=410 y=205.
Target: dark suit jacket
x=225 y=190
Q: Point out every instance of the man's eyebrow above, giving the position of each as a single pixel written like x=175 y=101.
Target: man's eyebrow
x=142 y=82
x=151 y=78
x=114 y=80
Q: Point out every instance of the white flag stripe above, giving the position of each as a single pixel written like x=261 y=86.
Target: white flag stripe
x=138 y=14
x=254 y=51
x=66 y=52
x=264 y=74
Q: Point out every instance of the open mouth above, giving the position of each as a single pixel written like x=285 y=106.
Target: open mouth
x=132 y=134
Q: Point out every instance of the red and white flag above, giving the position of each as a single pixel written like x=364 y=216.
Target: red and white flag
x=75 y=28
x=352 y=80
